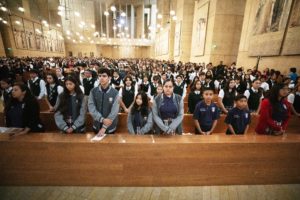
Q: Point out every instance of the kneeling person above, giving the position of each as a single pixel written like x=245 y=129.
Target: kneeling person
x=238 y=118
x=71 y=108
x=103 y=104
x=139 y=119
x=206 y=114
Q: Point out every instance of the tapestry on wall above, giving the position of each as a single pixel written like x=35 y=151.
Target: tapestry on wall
x=200 y=26
x=177 y=39
x=270 y=21
x=35 y=36
x=39 y=40
x=165 y=43
x=18 y=32
x=29 y=32
x=162 y=44
x=291 y=44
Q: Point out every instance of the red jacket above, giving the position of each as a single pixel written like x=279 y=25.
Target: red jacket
x=265 y=119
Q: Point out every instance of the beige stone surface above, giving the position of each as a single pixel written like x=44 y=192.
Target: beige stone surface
x=2 y=50
x=291 y=45
x=282 y=62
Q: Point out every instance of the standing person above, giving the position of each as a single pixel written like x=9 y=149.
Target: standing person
x=238 y=118
x=274 y=112
x=60 y=76
x=293 y=74
x=219 y=83
x=194 y=80
x=139 y=119
x=22 y=111
x=6 y=90
x=103 y=104
x=127 y=94
x=273 y=79
x=240 y=85
x=264 y=85
x=254 y=96
x=71 y=108
x=226 y=96
x=180 y=86
x=206 y=114
x=116 y=81
x=88 y=82
x=159 y=90
x=145 y=86
x=36 y=85
x=247 y=81
x=53 y=89
x=294 y=99
x=195 y=96
x=153 y=86
x=168 y=111
x=209 y=83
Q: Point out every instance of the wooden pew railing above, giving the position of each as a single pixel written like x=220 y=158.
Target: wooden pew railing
x=125 y=160
x=188 y=123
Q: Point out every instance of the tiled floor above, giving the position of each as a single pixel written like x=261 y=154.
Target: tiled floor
x=251 y=192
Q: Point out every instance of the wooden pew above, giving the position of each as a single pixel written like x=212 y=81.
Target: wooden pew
x=188 y=123
x=124 y=160
x=43 y=105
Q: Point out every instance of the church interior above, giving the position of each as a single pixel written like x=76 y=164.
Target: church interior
x=150 y=99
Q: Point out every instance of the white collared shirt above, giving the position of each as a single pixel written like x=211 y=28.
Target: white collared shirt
x=42 y=87
x=247 y=93
x=265 y=86
x=121 y=90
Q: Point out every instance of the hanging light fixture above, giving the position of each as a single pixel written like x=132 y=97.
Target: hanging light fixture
x=77 y=14
x=113 y=8
x=21 y=9
x=4 y=9
x=123 y=14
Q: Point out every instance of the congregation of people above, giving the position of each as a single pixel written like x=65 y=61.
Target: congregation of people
x=151 y=92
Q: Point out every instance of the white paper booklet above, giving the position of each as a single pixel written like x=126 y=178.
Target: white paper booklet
x=97 y=138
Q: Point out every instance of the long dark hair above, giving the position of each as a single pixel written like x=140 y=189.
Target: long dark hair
x=144 y=107
x=169 y=80
x=28 y=98
x=130 y=78
x=226 y=88
x=193 y=88
x=273 y=96
x=53 y=75
x=196 y=78
x=65 y=96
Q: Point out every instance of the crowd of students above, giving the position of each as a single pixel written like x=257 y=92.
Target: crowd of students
x=152 y=92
